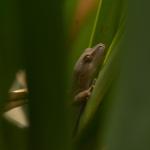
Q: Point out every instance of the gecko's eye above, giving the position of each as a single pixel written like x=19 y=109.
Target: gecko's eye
x=87 y=58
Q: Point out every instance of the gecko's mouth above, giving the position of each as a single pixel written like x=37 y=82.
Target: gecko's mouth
x=100 y=45
x=98 y=50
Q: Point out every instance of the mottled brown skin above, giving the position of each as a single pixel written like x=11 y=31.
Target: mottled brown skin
x=85 y=70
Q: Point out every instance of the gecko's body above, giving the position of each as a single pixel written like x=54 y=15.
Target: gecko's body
x=85 y=71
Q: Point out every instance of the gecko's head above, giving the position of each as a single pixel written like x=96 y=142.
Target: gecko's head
x=93 y=58
x=94 y=55
x=90 y=60
x=87 y=65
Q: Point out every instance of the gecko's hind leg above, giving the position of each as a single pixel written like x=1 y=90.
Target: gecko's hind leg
x=83 y=96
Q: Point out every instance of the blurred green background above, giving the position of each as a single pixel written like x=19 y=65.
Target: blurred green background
x=46 y=38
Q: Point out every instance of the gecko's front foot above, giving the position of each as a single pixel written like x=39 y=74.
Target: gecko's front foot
x=84 y=95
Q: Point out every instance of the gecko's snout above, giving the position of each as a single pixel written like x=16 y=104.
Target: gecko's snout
x=100 y=45
x=99 y=49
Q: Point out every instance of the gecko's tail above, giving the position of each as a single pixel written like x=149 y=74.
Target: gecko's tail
x=78 y=119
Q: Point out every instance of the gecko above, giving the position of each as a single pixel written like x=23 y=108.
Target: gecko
x=85 y=71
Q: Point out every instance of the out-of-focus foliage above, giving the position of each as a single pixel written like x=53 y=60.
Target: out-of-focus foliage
x=46 y=38
x=127 y=123
x=32 y=38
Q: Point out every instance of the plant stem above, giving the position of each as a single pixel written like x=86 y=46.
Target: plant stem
x=95 y=23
